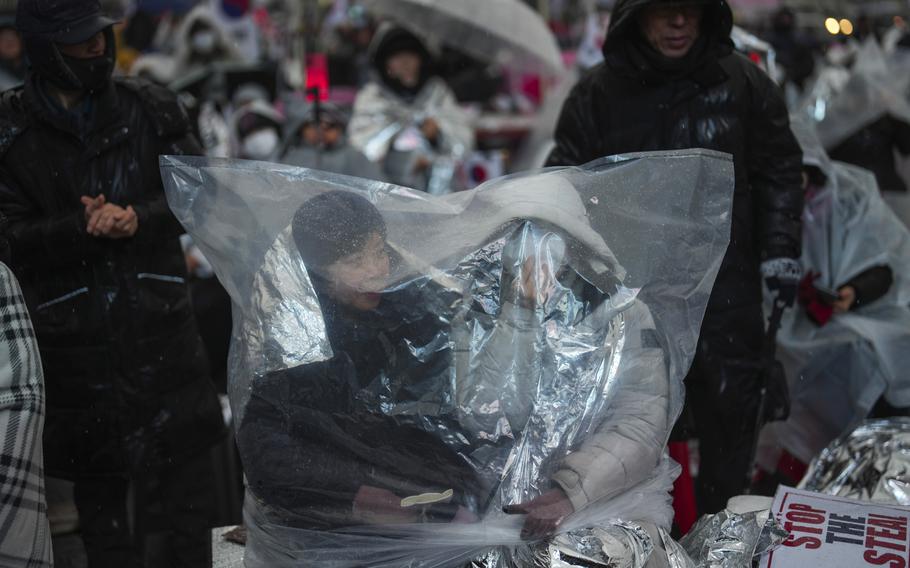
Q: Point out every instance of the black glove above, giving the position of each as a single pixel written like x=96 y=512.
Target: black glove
x=782 y=275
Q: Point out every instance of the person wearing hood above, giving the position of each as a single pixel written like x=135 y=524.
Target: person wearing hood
x=200 y=41
x=794 y=51
x=407 y=118
x=846 y=347
x=671 y=80
x=257 y=131
x=97 y=251
x=317 y=140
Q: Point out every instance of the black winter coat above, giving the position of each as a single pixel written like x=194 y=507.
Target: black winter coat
x=127 y=382
x=722 y=102
x=312 y=435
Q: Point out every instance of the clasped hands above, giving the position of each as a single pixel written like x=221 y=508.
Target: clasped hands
x=103 y=219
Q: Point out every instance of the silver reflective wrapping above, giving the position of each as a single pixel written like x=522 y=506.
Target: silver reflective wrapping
x=470 y=353
x=624 y=545
x=386 y=129
x=732 y=540
x=621 y=545
x=872 y=463
x=292 y=321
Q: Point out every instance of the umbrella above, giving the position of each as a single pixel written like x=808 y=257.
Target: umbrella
x=507 y=32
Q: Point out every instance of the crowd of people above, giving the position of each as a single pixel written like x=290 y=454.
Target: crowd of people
x=118 y=370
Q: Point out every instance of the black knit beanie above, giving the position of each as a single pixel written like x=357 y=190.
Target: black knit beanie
x=334 y=225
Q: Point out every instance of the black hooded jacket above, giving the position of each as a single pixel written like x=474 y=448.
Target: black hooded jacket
x=127 y=380
x=713 y=98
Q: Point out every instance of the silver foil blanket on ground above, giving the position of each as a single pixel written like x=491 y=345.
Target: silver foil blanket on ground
x=872 y=463
x=730 y=540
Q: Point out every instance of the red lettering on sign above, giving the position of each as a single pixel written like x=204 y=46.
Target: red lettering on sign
x=898 y=524
x=810 y=542
x=892 y=560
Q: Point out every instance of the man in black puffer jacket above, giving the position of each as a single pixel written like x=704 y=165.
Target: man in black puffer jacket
x=97 y=251
x=671 y=80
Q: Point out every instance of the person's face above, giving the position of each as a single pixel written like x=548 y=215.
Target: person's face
x=404 y=66
x=331 y=134
x=10 y=45
x=88 y=49
x=671 y=29
x=310 y=134
x=357 y=280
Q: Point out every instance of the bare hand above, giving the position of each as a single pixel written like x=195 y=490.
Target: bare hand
x=381 y=506
x=92 y=204
x=113 y=222
x=430 y=130
x=544 y=514
x=845 y=301
x=535 y=283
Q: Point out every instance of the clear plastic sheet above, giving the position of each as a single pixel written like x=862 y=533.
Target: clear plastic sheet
x=872 y=463
x=733 y=540
x=875 y=87
x=405 y=366
x=838 y=371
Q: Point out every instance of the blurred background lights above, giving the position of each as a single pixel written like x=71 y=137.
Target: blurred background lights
x=846 y=26
x=832 y=25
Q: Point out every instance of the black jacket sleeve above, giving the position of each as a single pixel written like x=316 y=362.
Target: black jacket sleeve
x=156 y=221
x=37 y=238
x=871 y=285
x=172 y=134
x=576 y=142
x=292 y=444
x=775 y=170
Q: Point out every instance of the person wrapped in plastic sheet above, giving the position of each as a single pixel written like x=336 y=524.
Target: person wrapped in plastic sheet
x=441 y=380
x=407 y=118
x=866 y=119
x=849 y=344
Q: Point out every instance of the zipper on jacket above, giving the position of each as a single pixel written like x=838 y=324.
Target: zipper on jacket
x=65 y=297
x=161 y=278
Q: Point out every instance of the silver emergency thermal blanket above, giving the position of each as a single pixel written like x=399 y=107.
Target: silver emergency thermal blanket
x=839 y=370
x=844 y=102
x=386 y=129
x=733 y=539
x=400 y=377
x=872 y=463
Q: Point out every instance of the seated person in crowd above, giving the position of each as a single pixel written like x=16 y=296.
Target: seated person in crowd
x=317 y=141
x=407 y=118
x=432 y=393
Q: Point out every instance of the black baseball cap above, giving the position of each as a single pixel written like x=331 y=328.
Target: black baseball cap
x=61 y=21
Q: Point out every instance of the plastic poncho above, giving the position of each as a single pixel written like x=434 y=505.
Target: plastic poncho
x=877 y=86
x=530 y=334
x=838 y=371
x=386 y=128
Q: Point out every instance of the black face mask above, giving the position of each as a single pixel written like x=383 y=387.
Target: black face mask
x=93 y=74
